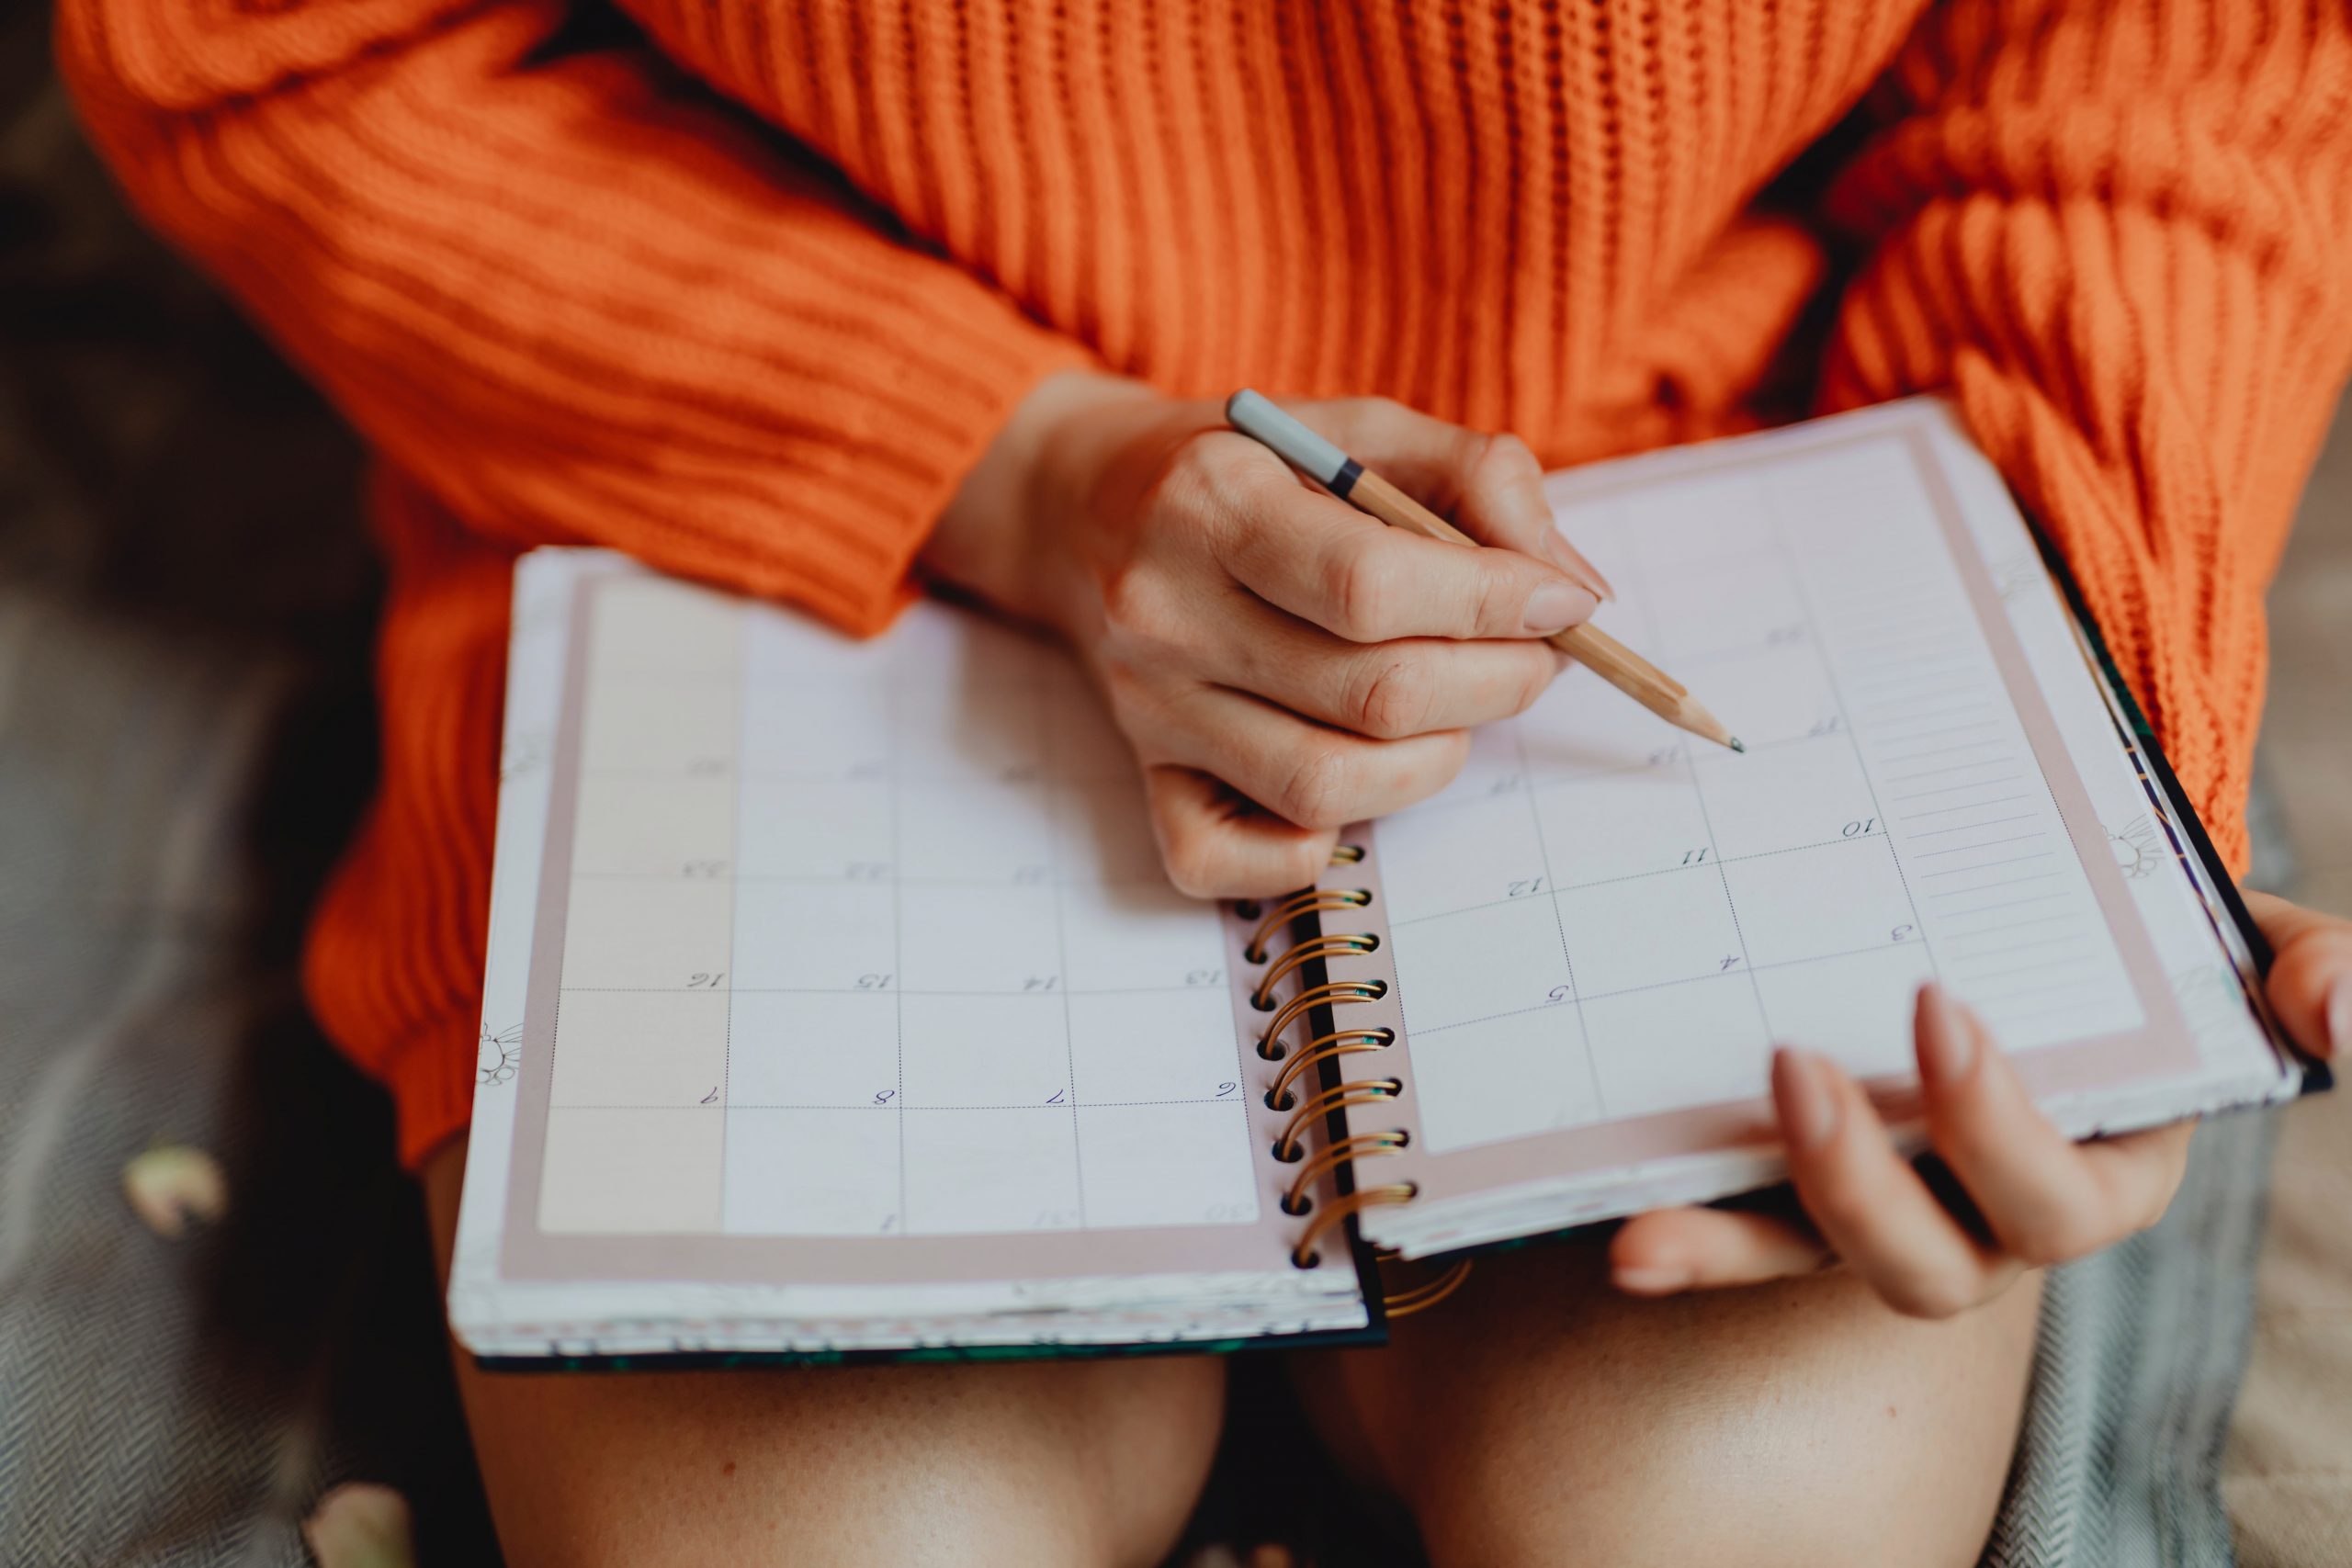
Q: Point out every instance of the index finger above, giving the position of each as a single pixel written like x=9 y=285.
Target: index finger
x=1490 y=485
x=1326 y=562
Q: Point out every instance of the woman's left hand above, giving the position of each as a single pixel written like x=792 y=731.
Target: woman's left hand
x=2042 y=1198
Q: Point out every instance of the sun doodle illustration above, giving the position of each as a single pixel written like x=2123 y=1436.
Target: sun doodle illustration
x=2139 y=845
x=497 y=1054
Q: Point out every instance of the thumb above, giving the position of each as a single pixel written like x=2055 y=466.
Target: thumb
x=1490 y=487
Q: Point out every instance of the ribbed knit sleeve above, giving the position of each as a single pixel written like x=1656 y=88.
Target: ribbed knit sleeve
x=577 y=302
x=2120 y=234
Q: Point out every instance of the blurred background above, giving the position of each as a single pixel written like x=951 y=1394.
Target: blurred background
x=186 y=739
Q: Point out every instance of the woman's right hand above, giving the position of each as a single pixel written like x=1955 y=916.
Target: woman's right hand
x=1261 y=644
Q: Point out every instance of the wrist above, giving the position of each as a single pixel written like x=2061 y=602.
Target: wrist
x=1003 y=536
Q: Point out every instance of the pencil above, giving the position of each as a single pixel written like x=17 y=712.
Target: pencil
x=1258 y=418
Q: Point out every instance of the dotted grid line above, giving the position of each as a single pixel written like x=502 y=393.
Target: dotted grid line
x=1713 y=858
x=1670 y=985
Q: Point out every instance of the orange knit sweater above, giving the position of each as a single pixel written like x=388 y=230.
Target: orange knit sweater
x=743 y=287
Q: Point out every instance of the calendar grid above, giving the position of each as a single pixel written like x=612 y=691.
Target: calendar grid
x=1871 y=704
x=1025 y=957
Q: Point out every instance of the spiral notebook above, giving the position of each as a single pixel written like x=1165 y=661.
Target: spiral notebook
x=836 y=1004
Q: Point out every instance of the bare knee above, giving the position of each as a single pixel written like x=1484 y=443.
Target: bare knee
x=1799 y=1425
x=1035 y=1463
x=965 y=1465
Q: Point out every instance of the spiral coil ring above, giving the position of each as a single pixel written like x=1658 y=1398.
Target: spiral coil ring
x=1338 y=1097
x=1304 y=1255
x=1332 y=993
x=1338 y=946
x=1315 y=900
x=1360 y=1145
x=1427 y=1294
x=1341 y=1094
x=1322 y=1048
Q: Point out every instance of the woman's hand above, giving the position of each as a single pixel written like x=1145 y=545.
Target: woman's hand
x=1261 y=644
x=2042 y=1199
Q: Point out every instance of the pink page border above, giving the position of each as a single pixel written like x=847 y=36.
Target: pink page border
x=530 y=1253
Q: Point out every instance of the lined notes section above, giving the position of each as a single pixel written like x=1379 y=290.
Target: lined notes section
x=1997 y=880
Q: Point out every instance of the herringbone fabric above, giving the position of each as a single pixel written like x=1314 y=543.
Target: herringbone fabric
x=2140 y=1353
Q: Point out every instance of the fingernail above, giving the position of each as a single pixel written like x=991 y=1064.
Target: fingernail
x=1808 y=1109
x=1663 y=1281
x=1947 y=1049
x=2339 y=1017
x=1557 y=606
x=1570 y=559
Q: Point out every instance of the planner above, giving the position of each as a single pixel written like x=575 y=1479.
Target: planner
x=836 y=1004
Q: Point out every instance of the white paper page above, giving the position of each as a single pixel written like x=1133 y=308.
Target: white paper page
x=864 y=998
x=1617 y=920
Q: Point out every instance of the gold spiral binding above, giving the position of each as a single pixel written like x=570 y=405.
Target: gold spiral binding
x=1340 y=1095
x=1322 y=1048
x=1425 y=1295
x=1304 y=1254
x=1332 y=993
x=1359 y=1146
x=1315 y=900
x=1338 y=945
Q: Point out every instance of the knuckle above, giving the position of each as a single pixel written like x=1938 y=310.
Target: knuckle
x=1138 y=610
x=1497 y=595
x=1395 y=698
x=1196 y=485
x=1364 y=596
x=1316 y=791
x=1502 y=459
x=1196 y=468
x=1366 y=419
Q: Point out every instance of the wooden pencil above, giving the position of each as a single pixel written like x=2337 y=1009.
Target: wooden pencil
x=1260 y=419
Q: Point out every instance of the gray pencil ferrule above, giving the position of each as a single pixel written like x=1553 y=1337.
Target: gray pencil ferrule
x=1257 y=417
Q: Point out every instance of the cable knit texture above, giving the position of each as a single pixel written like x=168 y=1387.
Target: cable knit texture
x=743 y=287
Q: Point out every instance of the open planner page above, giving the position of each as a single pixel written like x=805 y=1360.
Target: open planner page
x=836 y=1001
x=1598 y=933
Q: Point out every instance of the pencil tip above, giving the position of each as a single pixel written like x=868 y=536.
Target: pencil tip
x=1736 y=745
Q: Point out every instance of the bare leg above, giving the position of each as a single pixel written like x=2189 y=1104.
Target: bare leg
x=1540 y=1416
x=1039 y=1463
